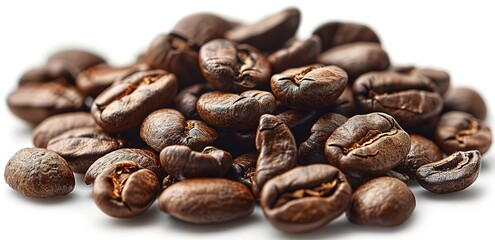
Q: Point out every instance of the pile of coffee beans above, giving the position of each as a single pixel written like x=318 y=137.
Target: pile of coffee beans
x=218 y=116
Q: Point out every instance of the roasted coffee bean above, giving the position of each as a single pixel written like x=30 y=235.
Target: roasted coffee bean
x=365 y=145
x=423 y=151
x=81 y=147
x=96 y=79
x=465 y=100
x=356 y=58
x=235 y=111
x=297 y=54
x=309 y=87
x=305 y=198
x=40 y=75
x=411 y=100
x=124 y=106
x=232 y=67
x=299 y=122
x=383 y=201
x=124 y=189
x=165 y=127
x=175 y=55
x=207 y=200
x=313 y=149
x=243 y=168
x=69 y=63
x=337 y=33
x=39 y=173
x=451 y=174
x=144 y=158
x=197 y=29
x=182 y=162
x=439 y=77
x=57 y=124
x=460 y=131
x=277 y=151
x=357 y=182
x=186 y=100
x=270 y=33
x=344 y=105
x=35 y=102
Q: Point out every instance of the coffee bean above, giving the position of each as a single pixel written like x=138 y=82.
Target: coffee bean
x=383 y=201
x=465 y=100
x=124 y=106
x=451 y=174
x=365 y=145
x=299 y=122
x=411 y=100
x=423 y=151
x=356 y=58
x=269 y=33
x=182 y=162
x=460 y=131
x=197 y=29
x=286 y=198
x=186 y=100
x=34 y=102
x=39 y=173
x=309 y=87
x=243 y=168
x=439 y=77
x=277 y=151
x=57 y=124
x=175 y=55
x=165 y=127
x=297 y=54
x=207 y=200
x=344 y=105
x=337 y=33
x=144 y=158
x=81 y=147
x=313 y=149
x=226 y=110
x=232 y=67
x=40 y=75
x=69 y=63
x=124 y=189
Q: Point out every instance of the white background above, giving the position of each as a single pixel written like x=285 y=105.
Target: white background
x=457 y=37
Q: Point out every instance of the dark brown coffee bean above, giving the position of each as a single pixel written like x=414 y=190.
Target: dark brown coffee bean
x=96 y=79
x=411 y=100
x=207 y=200
x=197 y=29
x=124 y=189
x=299 y=122
x=186 y=100
x=451 y=174
x=365 y=145
x=81 y=147
x=270 y=33
x=465 y=100
x=356 y=58
x=460 y=131
x=35 y=102
x=235 y=111
x=313 y=149
x=383 y=201
x=232 y=67
x=175 y=55
x=423 y=151
x=182 y=162
x=344 y=105
x=69 y=63
x=39 y=173
x=125 y=105
x=309 y=87
x=287 y=198
x=243 y=168
x=440 y=78
x=144 y=158
x=277 y=151
x=165 y=127
x=60 y=123
x=337 y=33
x=297 y=54
x=40 y=75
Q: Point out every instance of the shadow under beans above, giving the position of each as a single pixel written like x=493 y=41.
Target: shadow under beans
x=210 y=228
x=147 y=218
x=42 y=201
x=471 y=193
